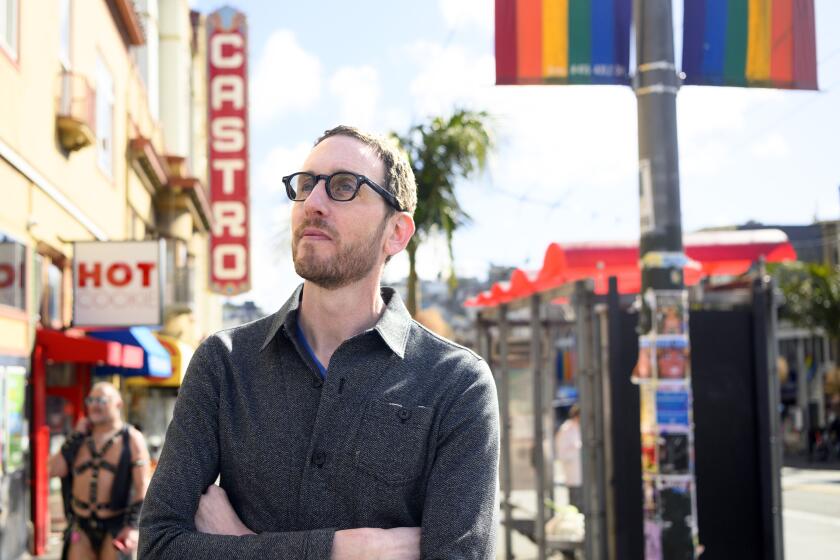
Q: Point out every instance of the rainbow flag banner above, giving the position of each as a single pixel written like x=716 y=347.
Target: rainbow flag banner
x=563 y=41
x=750 y=43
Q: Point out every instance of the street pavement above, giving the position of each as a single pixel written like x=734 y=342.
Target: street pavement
x=810 y=505
x=811 y=513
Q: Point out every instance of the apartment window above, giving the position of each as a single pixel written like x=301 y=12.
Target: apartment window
x=52 y=307
x=12 y=273
x=9 y=26
x=104 y=117
x=64 y=33
x=50 y=290
x=180 y=271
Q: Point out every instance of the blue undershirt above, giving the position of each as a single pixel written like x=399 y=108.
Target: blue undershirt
x=321 y=369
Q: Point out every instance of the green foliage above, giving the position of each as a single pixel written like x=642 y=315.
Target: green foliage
x=812 y=295
x=440 y=152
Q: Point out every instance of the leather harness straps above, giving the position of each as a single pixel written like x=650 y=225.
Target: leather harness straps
x=95 y=463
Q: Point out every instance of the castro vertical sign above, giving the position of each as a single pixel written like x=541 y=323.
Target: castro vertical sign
x=227 y=101
x=117 y=283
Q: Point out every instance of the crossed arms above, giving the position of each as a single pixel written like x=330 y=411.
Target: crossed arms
x=175 y=525
x=216 y=516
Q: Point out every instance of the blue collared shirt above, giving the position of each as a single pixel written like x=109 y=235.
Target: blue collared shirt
x=302 y=337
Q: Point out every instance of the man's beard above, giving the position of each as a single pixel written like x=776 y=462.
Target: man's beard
x=350 y=264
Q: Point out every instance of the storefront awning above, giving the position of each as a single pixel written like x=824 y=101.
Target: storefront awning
x=74 y=347
x=717 y=253
x=179 y=352
x=156 y=361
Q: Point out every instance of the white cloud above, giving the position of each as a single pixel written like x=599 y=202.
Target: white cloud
x=566 y=159
x=358 y=91
x=462 y=13
x=270 y=204
x=396 y=118
x=279 y=161
x=774 y=146
x=273 y=273
x=551 y=138
x=707 y=115
x=286 y=78
x=447 y=76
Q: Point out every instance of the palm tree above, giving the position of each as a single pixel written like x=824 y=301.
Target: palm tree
x=440 y=152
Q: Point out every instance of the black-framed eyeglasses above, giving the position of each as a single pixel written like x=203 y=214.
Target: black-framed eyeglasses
x=341 y=187
x=97 y=400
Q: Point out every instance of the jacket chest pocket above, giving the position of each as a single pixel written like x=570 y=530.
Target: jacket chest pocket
x=393 y=441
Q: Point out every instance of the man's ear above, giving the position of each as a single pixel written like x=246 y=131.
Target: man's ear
x=401 y=230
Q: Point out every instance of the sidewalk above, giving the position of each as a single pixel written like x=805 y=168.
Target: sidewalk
x=800 y=461
x=54 y=542
x=811 y=502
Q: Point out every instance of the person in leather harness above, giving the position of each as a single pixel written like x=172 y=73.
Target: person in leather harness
x=104 y=467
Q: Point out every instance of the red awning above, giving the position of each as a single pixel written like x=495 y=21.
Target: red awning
x=74 y=347
x=719 y=253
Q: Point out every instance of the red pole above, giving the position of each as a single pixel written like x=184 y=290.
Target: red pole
x=82 y=389
x=40 y=452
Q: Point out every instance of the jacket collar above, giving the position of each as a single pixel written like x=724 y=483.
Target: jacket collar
x=393 y=326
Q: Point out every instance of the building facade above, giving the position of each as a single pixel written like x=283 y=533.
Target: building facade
x=234 y=314
x=102 y=139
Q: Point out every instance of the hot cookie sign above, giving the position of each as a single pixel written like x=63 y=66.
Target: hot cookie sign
x=117 y=283
x=12 y=274
x=228 y=151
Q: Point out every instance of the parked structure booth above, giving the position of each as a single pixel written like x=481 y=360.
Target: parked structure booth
x=735 y=386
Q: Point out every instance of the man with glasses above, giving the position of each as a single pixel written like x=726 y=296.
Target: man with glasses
x=338 y=427
x=104 y=465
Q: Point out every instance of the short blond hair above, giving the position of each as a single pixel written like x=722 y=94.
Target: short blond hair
x=399 y=177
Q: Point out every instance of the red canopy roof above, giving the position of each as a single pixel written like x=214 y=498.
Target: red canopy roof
x=74 y=347
x=719 y=253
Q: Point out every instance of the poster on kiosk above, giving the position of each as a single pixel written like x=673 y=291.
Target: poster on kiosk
x=118 y=283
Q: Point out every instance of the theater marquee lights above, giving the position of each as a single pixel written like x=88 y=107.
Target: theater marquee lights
x=228 y=151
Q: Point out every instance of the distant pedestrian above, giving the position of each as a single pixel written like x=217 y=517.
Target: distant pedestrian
x=104 y=465
x=568 y=451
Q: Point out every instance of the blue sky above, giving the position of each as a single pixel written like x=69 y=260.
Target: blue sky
x=566 y=164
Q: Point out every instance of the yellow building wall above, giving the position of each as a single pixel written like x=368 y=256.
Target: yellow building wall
x=14 y=336
x=14 y=193
x=118 y=205
x=28 y=116
x=139 y=198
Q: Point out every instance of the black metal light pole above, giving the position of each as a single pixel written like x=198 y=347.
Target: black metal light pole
x=659 y=178
x=663 y=372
